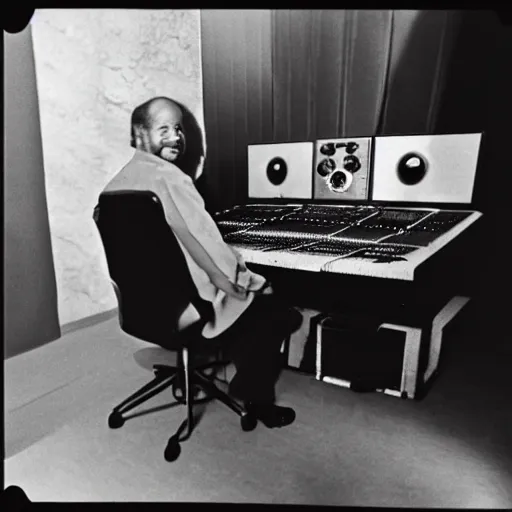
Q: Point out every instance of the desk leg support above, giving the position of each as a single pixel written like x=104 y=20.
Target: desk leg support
x=411 y=357
x=446 y=315
x=410 y=379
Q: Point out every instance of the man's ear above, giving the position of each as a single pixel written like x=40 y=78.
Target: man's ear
x=138 y=132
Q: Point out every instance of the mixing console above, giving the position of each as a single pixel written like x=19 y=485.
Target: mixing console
x=362 y=235
x=346 y=239
x=262 y=227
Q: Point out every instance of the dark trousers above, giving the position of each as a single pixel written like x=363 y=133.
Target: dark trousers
x=253 y=343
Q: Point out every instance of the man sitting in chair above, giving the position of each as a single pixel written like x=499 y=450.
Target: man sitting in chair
x=248 y=317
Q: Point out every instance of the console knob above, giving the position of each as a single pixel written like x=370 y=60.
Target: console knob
x=352 y=147
x=326 y=166
x=351 y=163
x=328 y=149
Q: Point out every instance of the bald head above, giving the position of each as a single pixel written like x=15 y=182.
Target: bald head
x=157 y=127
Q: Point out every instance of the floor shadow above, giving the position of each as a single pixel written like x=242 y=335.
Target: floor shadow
x=149 y=356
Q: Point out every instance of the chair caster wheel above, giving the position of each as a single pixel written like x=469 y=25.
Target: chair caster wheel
x=248 y=422
x=115 y=420
x=173 y=450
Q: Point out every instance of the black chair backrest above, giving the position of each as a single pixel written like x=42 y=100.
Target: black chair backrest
x=148 y=266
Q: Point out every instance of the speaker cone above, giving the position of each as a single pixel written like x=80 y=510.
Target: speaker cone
x=411 y=168
x=340 y=180
x=277 y=170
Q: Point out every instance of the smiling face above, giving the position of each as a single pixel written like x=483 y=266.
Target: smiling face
x=164 y=135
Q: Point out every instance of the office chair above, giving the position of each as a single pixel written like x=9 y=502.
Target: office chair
x=153 y=287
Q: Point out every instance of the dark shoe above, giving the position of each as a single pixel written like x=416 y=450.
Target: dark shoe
x=272 y=416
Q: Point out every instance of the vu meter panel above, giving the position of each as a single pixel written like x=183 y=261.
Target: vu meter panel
x=425 y=168
x=281 y=170
x=341 y=169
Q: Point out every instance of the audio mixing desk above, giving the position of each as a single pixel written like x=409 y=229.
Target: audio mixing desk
x=363 y=223
x=385 y=242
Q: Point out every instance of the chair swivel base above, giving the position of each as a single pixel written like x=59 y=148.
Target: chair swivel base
x=166 y=376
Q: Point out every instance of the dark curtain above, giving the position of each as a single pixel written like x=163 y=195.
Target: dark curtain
x=497 y=277
x=302 y=75
x=329 y=69
x=237 y=98
x=478 y=97
x=421 y=53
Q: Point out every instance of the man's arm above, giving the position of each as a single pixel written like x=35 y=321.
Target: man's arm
x=203 y=260
x=198 y=253
x=263 y=289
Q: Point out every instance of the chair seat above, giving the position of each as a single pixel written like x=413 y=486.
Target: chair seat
x=190 y=338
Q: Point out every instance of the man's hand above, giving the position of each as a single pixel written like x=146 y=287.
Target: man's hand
x=239 y=259
x=266 y=289
x=232 y=289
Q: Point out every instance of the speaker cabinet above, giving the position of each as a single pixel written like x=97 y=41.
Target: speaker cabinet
x=341 y=169
x=281 y=170
x=425 y=168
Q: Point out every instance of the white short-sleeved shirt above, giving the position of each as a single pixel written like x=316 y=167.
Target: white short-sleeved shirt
x=182 y=203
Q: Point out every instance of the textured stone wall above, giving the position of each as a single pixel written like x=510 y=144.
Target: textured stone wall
x=93 y=67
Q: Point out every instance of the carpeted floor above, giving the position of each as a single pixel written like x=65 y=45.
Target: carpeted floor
x=453 y=449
